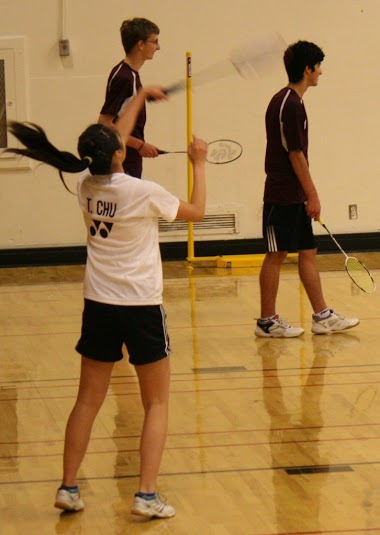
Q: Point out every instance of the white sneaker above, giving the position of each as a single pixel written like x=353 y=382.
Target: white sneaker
x=68 y=501
x=150 y=508
x=333 y=324
x=276 y=328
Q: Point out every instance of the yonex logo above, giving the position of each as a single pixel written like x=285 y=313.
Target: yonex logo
x=102 y=227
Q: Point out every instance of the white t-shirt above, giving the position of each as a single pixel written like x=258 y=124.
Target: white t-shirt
x=123 y=255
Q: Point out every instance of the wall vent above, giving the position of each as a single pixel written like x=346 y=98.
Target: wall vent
x=221 y=223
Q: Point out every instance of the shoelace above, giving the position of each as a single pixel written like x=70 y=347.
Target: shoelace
x=163 y=499
x=282 y=322
x=160 y=502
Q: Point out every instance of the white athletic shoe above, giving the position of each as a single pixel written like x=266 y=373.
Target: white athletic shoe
x=151 y=508
x=276 y=328
x=68 y=501
x=333 y=324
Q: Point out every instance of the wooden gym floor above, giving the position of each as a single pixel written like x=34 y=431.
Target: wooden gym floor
x=266 y=436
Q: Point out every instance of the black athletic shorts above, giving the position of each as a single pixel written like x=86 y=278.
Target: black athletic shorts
x=287 y=228
x=106 y=327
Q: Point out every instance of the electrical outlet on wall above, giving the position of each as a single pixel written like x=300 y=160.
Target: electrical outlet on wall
x=64 y=47
x=353 y=211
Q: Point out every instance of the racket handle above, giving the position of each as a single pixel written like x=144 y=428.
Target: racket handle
x=179 y=86
x=322 y=223
x=162 y=151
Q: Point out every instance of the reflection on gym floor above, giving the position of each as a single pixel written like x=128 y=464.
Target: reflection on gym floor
x=267 y=436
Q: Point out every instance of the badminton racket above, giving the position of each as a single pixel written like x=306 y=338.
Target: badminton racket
x=254 y=58
x=357 y=271
x=220 y=151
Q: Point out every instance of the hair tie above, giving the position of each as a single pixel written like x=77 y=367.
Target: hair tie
x=89 y=159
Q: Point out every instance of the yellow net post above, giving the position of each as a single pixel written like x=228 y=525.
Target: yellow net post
x=190 y=226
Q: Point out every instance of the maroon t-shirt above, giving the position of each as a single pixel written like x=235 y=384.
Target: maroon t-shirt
x=123 y=83
x=287 y=130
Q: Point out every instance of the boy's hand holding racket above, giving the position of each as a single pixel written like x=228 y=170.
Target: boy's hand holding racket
x=313 y=207
x=154 y=92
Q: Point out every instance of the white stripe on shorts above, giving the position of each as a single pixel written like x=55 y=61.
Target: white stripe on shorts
x=271 y=239
x=165 y=330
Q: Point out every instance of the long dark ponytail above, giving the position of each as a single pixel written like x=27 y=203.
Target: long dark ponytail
x=96 y=147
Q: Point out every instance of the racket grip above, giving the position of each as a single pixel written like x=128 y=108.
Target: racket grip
x=171 y=89
x=162 y=151
x=152 y=99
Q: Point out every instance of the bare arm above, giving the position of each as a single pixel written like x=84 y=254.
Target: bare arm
x=195 y=209
x=107 y=120
x=126 y=122
x=301 y=169
x=146 y=150
x=133 y=142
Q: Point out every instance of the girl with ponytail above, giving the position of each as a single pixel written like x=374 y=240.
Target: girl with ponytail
x=122 y=288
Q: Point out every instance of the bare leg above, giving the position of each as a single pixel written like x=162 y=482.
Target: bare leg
x=154 y=382
x=269 y=282
x=309 y=275
x=93 y=386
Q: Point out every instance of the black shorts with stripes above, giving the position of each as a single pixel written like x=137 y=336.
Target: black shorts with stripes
x=105 y=328
x=287 y=228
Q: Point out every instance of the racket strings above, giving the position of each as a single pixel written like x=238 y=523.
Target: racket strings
x=360 y=274
x=260 y=55
x=220 y=151
x=224 y=151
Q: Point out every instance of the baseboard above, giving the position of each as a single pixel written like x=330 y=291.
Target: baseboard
x=55 y=256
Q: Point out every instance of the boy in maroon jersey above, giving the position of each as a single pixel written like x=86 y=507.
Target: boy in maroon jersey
x=291 y=200
x=140 y=41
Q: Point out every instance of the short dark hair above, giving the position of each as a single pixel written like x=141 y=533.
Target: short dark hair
x=134 y=30
x=300 y=55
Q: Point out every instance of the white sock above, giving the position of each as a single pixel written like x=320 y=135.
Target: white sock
x=268 y=319
x=323 y=314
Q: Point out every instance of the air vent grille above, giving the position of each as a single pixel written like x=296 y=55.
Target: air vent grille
x=221 y=223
